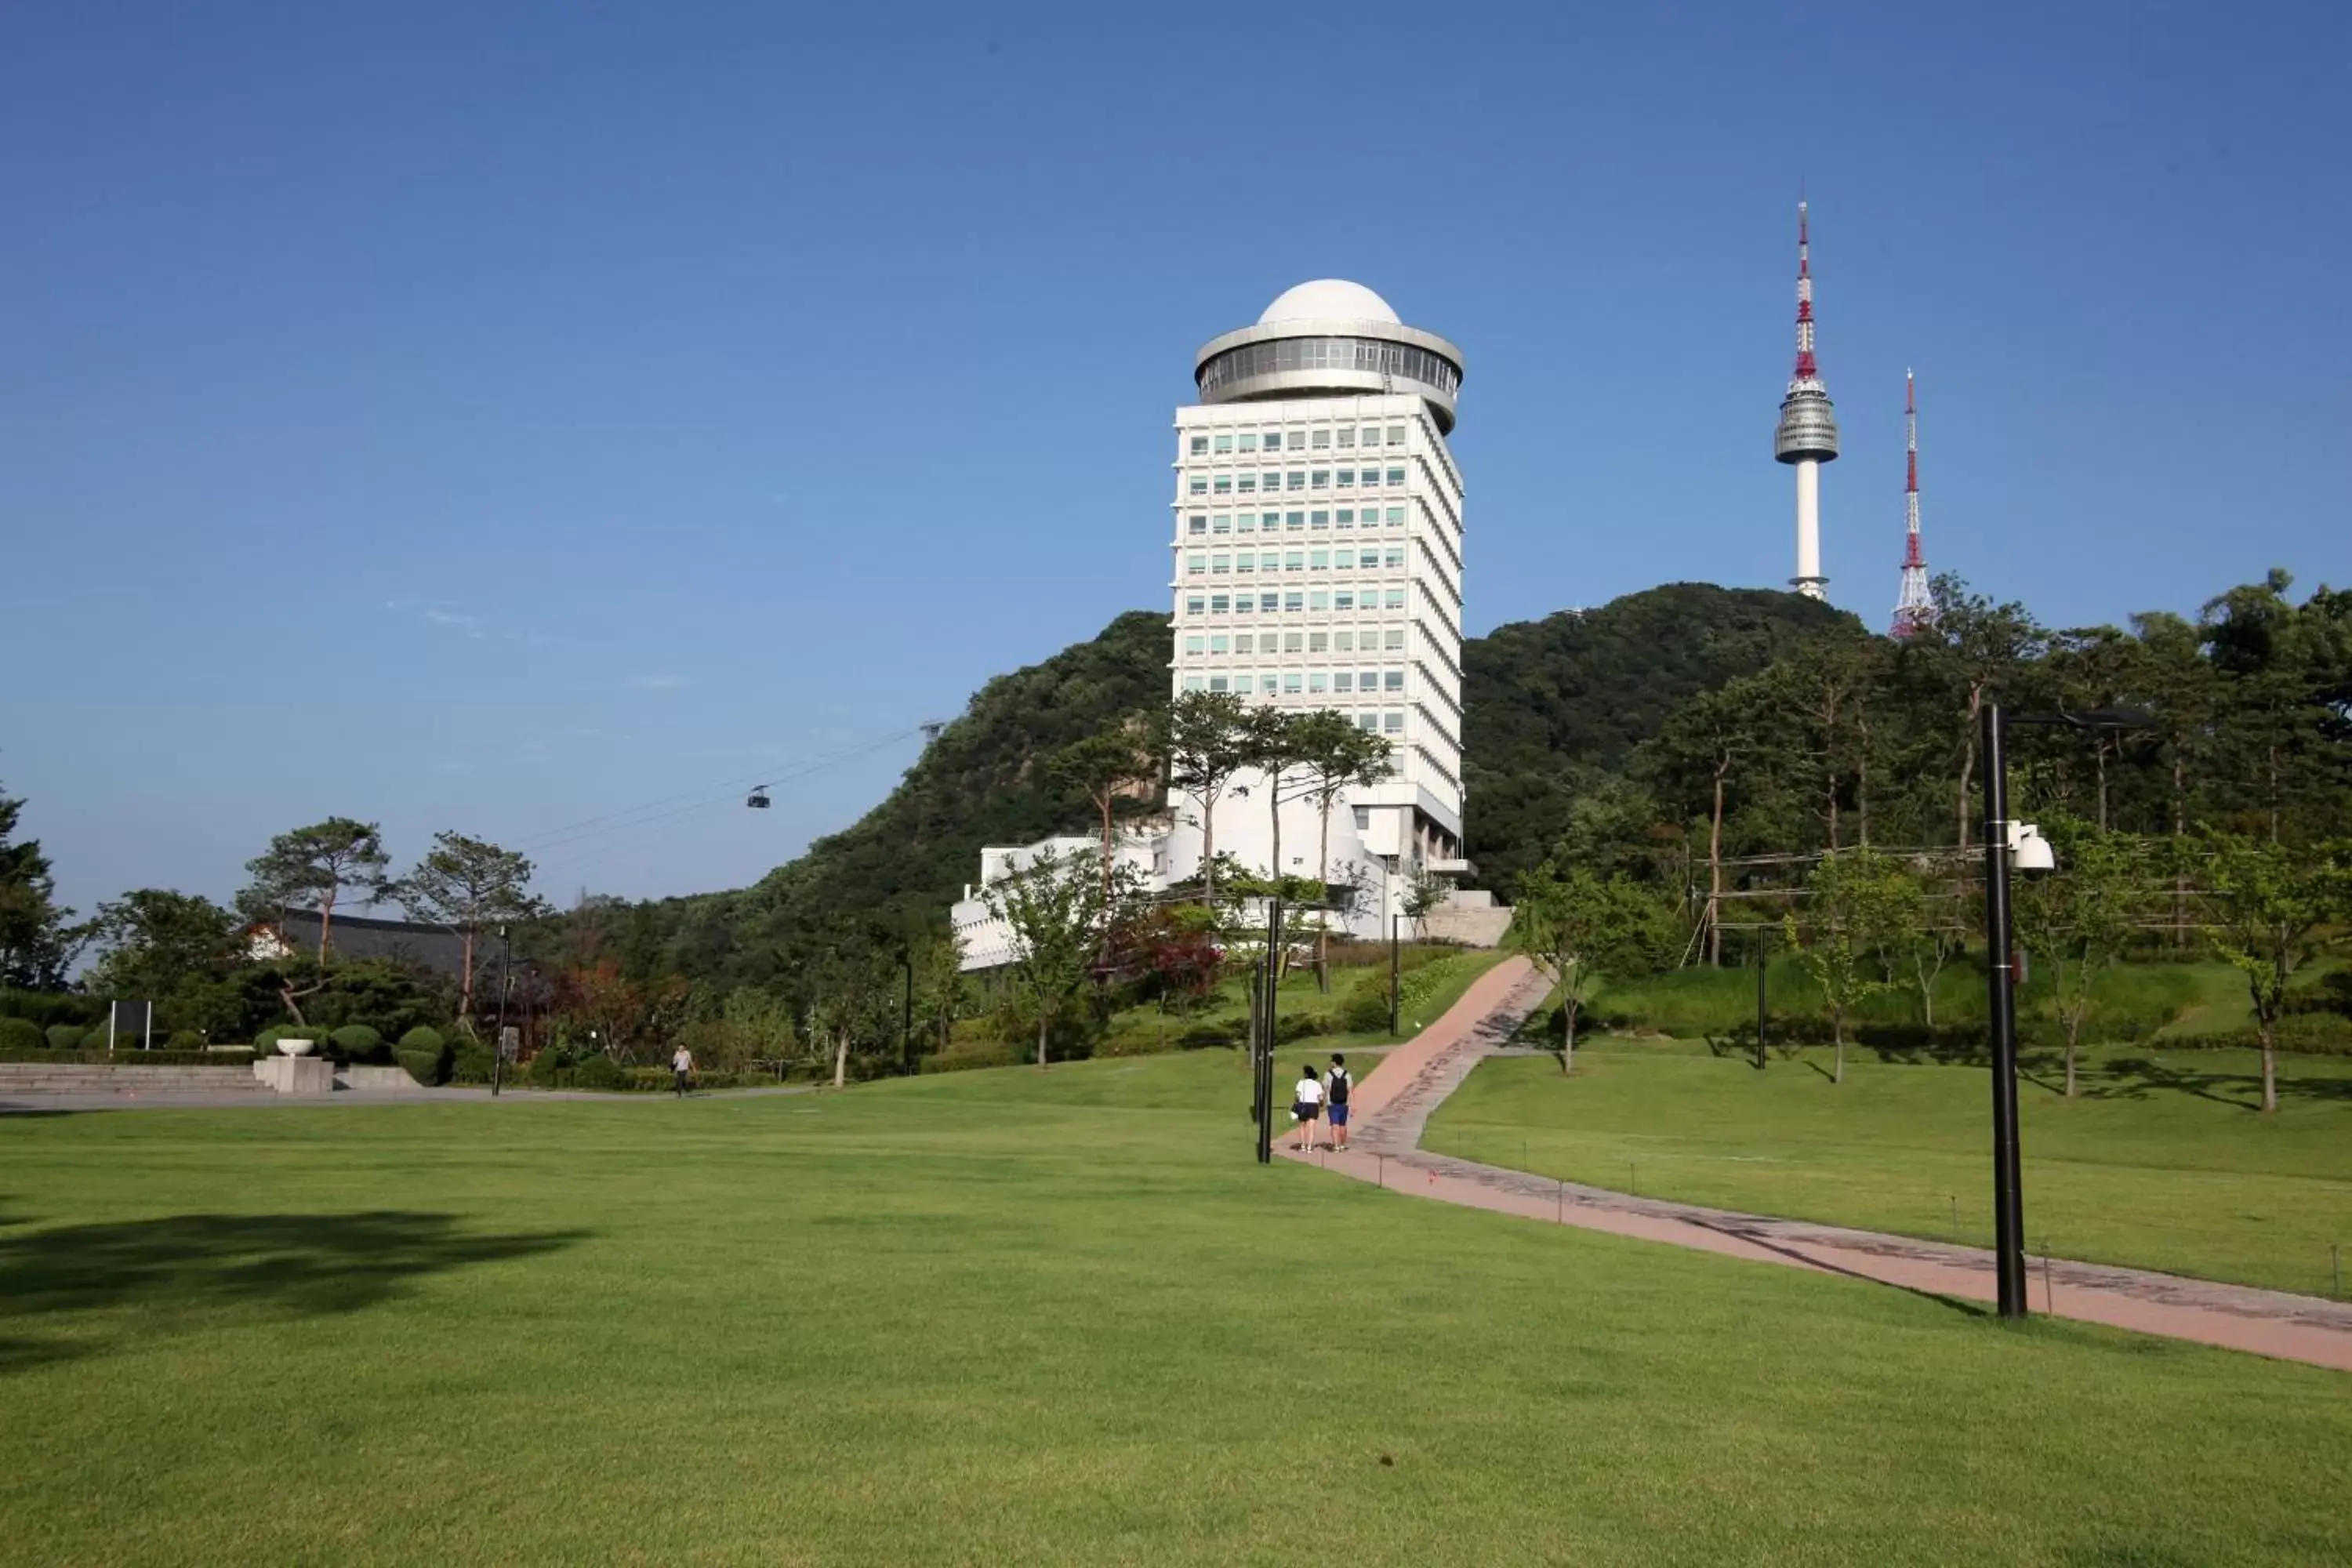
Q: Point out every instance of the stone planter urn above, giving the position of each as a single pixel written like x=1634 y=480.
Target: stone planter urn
x=297 y=1047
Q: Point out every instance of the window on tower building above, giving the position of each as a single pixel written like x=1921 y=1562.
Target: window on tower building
x=1367 y=681
x=1319 y=561
x=1316 y=521
x=1320 y=480
x=1396 y=438
x=1218 y=604
x=1224 y=485
x=1344 y=479
x=1318 y=642
x=1217 y=683
x=1196 y=523
x=1224 y=442
x=1224 y=523
x=1392 y=722
x=1249 y=440
x=1342 y=641
x=1348 y=436
x=1316 y=680
x=1265 y=684
x=1270 y=483
x=1392 y=680
x=1392 y=637
x=1197 y=485
x=1219 y=565
x=1396 y=477
x=1367 y=721
x=1244 y=562
x=1247 y=523
x=1396 y=517
x=1295 y=600
x=1193 y=644
x=1372 y=477
x=1246 y=484
x=1290 y=683
x=1371 y=435
x=1343 y=680
x=1320 y=439
x=1343 y=599
x=1394 y=558
x=1297 y=440
x=1242 y=643
x=1295 y=561
x=1395 y=599
x=1196 y=604
x=1200 y=446
x=1320 y=599
x=1298 y=479
x=1195 y=565
x=1218 y=644
x=1270 y=561
x=1265 y=603
x=1345 y=561
x=1347 y=518
x=1196 y=683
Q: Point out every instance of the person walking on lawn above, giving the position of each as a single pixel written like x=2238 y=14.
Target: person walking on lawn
x=681 y=1067
x=1305 y=1104
x=1335 y=1101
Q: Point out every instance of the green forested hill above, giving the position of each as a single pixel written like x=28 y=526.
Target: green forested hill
x=1580 y=688
x=1576 y=691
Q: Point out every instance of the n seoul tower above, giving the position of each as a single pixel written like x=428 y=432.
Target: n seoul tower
x=1808 y=432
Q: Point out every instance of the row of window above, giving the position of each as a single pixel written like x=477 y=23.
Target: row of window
x=1342 y=559
x=1202 y=445
x=1320 y=599
x=1201 y=523
x=1370 y=356
x=1222 y=484
x=1390 y=723
x=1290 y=642
x=1307 y=683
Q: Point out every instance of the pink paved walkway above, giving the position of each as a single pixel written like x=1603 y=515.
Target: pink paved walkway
x=1394 y=1101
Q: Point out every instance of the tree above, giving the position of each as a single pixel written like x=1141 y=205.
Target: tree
x=468 y=885
x=2266 y=910
x=1568 y=923
x=1977 y=645
x=2171 y=678
x=38 y=939
x=1061 y=915
x=1273 y=743
x=1105 y=768
x=2078 y=919
x=174 y=949
x=1860 y=903
x=1699 y=752
x=855 y=990
x=308 y=868
x=1202 y=739
x=627 y=1020
x=1336 y=754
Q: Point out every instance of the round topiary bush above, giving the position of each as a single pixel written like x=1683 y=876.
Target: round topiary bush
x=96 y=1041
x=65 y=1036
x=599 y=1071
x=21 y=1035
x=355 y=1042
x=188 y=1040
x=423 y=1038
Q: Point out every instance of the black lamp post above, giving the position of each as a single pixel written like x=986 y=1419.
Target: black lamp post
x=499 y=1045
x=2000 y=946
x=1269 y=979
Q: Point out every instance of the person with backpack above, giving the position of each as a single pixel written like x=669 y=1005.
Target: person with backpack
x=1306 y=1105
x=1335 y=1101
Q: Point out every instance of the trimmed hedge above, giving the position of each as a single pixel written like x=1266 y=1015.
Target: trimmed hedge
x=423 y=1038
x=65 y=1036
x=355 y=1042
x=22 y=1034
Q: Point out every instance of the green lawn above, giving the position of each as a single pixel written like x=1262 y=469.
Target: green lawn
x=2161 y=1162
x=1013 y=1318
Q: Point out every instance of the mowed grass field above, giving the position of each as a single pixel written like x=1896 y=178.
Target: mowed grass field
x=2162 y=1160
x=1020 y=1317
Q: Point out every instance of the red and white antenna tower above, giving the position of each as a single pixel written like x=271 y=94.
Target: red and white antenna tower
x=1915 y=607
x=1807 y=435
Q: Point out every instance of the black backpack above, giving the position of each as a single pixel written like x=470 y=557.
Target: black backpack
x=1339 y=1085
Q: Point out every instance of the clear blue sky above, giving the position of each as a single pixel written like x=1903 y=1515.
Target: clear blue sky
x=491 y=416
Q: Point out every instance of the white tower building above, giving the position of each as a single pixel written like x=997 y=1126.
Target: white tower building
x=1319 y=550
x=1807 y=436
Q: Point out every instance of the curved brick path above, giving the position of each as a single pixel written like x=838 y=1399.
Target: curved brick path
x=1394 y=1103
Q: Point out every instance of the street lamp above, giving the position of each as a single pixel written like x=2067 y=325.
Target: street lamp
x=2015 y=844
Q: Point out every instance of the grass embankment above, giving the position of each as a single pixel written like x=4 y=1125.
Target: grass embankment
x=2162 y=1162
x=1013 y=1317
x=1435 y=977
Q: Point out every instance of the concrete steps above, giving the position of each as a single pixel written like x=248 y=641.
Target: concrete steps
x=77 y=1077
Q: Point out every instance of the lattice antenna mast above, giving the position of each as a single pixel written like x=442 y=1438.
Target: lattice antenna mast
x=1915 y=607
x=1807 y=437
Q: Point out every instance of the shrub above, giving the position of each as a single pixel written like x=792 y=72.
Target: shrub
x=470 y=1063
x=96 y=1039
x=425 y=1066
x=1366 y=1010
x=965 y=1057
x=186 y=1040
x=22 y=1034
x=159 y=1057
x=65 y=1036
x=599 y=1072
x=548 y=1069
x=423 y=1038
x=355 y=1043
x=266 y=1043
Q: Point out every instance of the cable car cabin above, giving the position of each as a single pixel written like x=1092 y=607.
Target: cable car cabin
x=758 y=799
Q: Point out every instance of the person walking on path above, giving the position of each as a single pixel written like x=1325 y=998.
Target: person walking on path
x=681 y=1067
x=1334 y=1101
x=1305 y=1104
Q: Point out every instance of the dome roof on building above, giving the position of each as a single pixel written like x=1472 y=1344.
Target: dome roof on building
x=1327 y=299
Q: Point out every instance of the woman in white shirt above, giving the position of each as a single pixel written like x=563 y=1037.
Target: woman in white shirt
x=1306 y=1105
